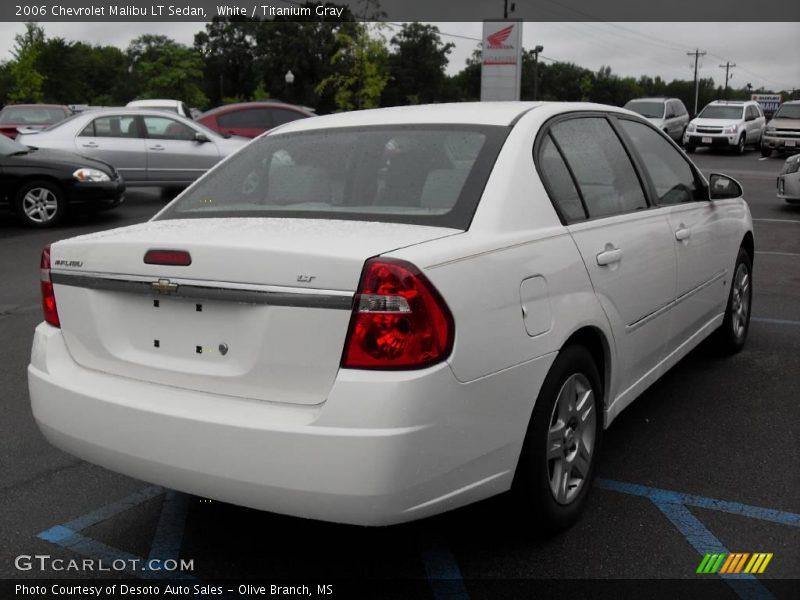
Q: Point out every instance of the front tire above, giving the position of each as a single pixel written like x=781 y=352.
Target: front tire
x=690 y=148
x=40 y=204
x=557 y=464
x=741 y=144
x=732 y=334
x=766 y=151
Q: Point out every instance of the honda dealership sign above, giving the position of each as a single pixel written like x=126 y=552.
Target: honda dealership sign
x=501 y=69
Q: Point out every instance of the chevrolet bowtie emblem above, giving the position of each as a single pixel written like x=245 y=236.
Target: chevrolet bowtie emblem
x=164 y=286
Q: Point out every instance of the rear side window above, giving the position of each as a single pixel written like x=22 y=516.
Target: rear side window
x=672 y=177
x=281 y=116
x=123 y=126
x=601 y=166
x=249 y=118
x=559 y=183
x=164 y=128
x=418 y=174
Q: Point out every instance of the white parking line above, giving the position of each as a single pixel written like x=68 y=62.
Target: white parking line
x=775 y=321
x=778 y=253
x=778 y=220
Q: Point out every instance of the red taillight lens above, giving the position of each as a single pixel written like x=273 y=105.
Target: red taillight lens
x=399 y=320
x=48 y=295
x=174 y=258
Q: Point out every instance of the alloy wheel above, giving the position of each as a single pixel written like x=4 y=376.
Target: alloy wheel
x=740 y=303
x=571 y=438
x=40 y=205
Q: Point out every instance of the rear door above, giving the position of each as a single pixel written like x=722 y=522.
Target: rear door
x=626 y=245
x=699 y=228
x=117 y=140
x=173 y=155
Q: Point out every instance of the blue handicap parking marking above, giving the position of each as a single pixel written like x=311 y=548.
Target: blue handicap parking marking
x=166 y=542
x=674 y=505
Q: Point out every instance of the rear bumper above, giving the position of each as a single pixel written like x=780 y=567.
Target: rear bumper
x=384 y=448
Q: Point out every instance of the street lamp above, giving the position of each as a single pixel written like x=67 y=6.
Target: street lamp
x=289 y=79
x=536 y=51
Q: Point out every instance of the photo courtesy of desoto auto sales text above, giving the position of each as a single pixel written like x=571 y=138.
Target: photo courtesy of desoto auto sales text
x=399 y=300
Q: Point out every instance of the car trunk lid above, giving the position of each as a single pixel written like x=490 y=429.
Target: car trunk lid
x=261 y=312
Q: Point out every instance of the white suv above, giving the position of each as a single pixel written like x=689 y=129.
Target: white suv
x=668 y=114
x=725 y=123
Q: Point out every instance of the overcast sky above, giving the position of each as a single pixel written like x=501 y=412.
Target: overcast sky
x=766 y=54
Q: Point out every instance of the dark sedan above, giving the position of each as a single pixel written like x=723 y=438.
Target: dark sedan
x=41 y=185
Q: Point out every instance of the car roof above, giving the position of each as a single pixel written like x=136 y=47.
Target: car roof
x=458 y=113
x=255 y=104
x=40 y=105
x=651 y=98
x=154 y=102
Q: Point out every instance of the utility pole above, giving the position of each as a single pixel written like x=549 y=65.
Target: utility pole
x=697 y=54
x=727 y=66
x=536 y=51
x=505 y=8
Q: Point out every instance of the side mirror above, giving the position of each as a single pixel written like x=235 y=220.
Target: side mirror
x=201 y=138
x=749 y=118
x=722 y=187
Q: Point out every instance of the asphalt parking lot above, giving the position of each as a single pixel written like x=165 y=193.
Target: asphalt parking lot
x=707 y=460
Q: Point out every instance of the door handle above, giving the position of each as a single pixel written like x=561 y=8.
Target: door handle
x=158 y=147
x=683 y=233
x=89 y=145
x=609 y=257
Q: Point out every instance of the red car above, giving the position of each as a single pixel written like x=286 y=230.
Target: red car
x=250 y=119
x=30 y=116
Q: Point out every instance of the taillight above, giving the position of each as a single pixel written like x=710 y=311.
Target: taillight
x=173 y=258
x=399 y=321
x=48 y=295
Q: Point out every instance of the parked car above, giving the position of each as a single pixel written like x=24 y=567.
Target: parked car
x=251 y=119
x=376 y=316
x=789 y=180
x=173 y=106
x=726 y=124
x=30 y=117
x=42 y=185
x=668 y=114
x=148 y=147
x=782 y=133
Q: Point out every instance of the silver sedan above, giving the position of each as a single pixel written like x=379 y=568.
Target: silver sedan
x=147 y=147
x=789 y=180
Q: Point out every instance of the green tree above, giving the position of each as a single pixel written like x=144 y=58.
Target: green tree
x=28 y=81
x=162 y=68
x=304 y=46
x=416 y=66
x=360 y=70
x=228 y=46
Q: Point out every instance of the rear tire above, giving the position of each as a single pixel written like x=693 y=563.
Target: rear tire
x=40 y=204
x=732 y=334
x=557 y=464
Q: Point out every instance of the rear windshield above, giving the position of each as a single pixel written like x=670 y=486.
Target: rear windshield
x=721 y=112
x=31 y=115
x=646 y=108
x=418 y=174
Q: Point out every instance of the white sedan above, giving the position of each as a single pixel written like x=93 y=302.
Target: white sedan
x=377 y=316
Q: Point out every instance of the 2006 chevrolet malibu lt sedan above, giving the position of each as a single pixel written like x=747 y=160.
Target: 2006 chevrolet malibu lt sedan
x=377 y=316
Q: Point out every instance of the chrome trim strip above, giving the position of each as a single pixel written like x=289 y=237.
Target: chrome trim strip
x=672 y=304
x=336 y=301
